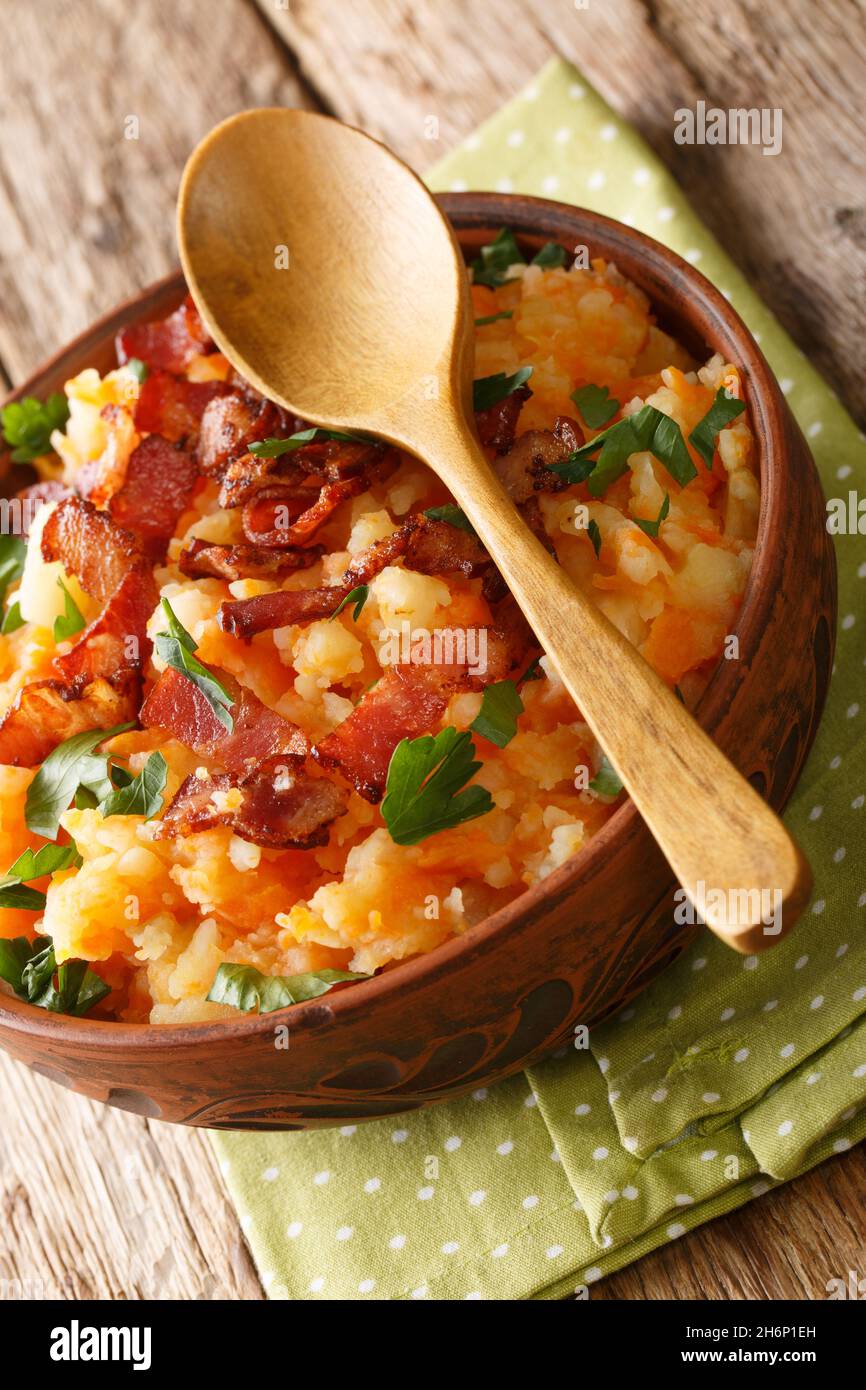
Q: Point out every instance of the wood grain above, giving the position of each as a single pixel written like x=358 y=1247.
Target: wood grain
x=85 y=221
x=795 y=223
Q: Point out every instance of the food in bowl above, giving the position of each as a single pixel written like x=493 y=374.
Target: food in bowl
x=271 y=719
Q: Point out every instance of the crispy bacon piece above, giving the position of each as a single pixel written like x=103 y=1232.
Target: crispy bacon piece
x=159 y=481
x=179 y=708
x=429 y=546
x=167 y=344
x=312 y=465
x=525 y=468
x=497 y=425
x=263 y=518
x=203 y=560
x=172 y=406
x=48 y=712
x=406 y=702
x=91 y=545
x=116 y=642
x=281 y=807
x=231 y=422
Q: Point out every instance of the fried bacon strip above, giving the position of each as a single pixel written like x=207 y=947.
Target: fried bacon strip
x=203 y=560
x=525 y=467
x=92 y=546
x=167 y=344
x=497 y=425
x=429 y=546
x=285 y=520
x=231 y=422
x=179 y=708
x=45 y=713
x=172 y=406
x=116 y=642
x=280 y=806
x=406 y=702
x=156 y=490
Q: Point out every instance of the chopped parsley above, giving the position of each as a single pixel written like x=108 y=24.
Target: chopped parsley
x=274 y=448
x=494 y=318
x=176 y=648
x=454 y=515
x=358 y=596
x=594 y=535
x=652 y=527
x=649 y=429
x=12 y=619
x=550 y=255
x=607 y=781
x=723 y=410
x=71 y=620
x=245 y=988
x=490 y=267
x=595 y=404
x=28 y=866
x=500 y=709
x=28 y=425
x=13 y=552
x=142 y=795
x=425 y=777
x=60 y=776
x=488 y=390
x=31 y=968
x=139 y=369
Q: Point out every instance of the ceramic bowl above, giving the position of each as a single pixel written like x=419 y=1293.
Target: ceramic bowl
x=577 y=946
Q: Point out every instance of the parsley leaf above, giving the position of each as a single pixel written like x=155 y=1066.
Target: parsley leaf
x=497 y=718
x=245 y=988
x=652 y=527
x=59 y=777
x=594 y=535
x=358 y=596
x=595 y=404
x=47 y=860
x=723 y=410
x=13 y=552
x=607 y=781
x=28 y=424
x=550 y=255
x=496 y=258
x=454 y=515
x=139 y=369
x=487 y=390
x=142 y=796
x=648 y=429
x=176 y=648
x=274 y=448
x=494 y=318
x=30 y=968
x=12 y=619
x=72 y=620
x=423 y=792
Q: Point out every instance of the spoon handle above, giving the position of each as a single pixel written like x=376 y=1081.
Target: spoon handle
x=729 y=850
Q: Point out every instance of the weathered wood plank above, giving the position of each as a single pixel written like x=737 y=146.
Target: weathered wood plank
x=99 y=1204
x=87 y=213
x=795 y=223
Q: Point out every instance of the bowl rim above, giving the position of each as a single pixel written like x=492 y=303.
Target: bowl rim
x=528 y=217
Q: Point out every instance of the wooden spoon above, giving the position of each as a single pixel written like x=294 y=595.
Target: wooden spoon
x=330 y=279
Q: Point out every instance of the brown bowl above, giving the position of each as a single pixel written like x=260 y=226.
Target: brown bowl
x=574 y=948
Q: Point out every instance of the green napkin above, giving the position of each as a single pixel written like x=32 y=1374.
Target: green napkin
x=729 y=1074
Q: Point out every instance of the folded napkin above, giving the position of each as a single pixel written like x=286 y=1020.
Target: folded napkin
x=728 y=1075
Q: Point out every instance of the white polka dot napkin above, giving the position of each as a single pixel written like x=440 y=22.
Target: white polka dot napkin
x=729 y=1074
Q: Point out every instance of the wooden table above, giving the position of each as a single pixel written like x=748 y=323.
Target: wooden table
x=101 y=1204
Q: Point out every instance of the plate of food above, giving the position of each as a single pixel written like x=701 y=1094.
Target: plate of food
x=299 y=823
